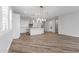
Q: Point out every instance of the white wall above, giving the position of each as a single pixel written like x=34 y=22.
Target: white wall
x=24 y=25
x=16 y=25
x=69 y=24
x=5 y=42
x=50 y=26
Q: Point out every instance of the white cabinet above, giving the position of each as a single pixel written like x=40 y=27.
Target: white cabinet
x=36 y=31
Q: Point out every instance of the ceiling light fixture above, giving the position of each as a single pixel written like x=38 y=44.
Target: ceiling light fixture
x=41 y=6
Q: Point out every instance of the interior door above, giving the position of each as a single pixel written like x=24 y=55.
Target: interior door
x=56 y=25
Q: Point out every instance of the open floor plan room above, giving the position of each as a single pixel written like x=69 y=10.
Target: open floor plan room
x=39 y=29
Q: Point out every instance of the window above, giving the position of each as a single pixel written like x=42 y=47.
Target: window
x=10 y=19
x=5 y=23
x=6 y=18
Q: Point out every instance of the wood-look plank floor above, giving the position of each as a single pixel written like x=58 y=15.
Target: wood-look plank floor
x=45 y=43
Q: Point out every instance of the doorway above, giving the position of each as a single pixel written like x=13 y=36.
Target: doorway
x=56 y=25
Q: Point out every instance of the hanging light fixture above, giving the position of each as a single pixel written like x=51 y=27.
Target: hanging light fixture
x=41 y=6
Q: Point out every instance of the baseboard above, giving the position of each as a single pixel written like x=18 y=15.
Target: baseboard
x=69 y=35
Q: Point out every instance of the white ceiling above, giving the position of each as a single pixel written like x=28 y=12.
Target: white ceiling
x=45 y=12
